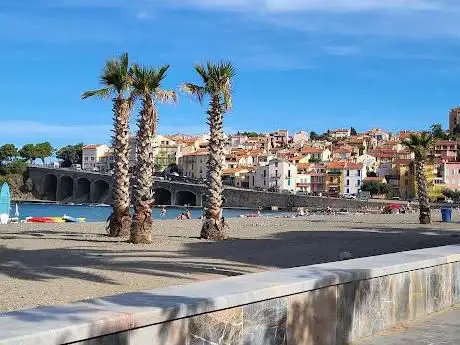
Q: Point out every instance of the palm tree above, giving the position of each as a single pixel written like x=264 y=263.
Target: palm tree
x=217 y=85
x=146 y=84
x=116 y=83
x=420 y=144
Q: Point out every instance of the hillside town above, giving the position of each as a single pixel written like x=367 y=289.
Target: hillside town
x=336 y=163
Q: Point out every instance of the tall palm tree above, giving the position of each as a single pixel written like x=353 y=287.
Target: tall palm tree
x=217 y=85
x=146 y=84
x=116 y=82
x=420 y=144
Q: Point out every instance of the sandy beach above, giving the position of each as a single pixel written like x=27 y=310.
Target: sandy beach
x=44 y=264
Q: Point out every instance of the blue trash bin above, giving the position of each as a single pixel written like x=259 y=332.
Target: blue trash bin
x=446 y=214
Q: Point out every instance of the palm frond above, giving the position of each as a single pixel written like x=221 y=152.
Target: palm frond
x=166 y=96
x=419 y=144
x=193 y=90
x=202 y=72
x=102 y=93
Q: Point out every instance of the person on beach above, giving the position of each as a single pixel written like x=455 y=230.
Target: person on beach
x=163 y=212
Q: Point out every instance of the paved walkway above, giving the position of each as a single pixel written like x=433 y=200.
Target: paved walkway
x=436 y=329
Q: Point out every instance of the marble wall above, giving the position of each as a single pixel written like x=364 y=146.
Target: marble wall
x=334 y=315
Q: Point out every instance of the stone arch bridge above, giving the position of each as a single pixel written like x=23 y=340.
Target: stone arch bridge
x=68 y=185
x=77 y=186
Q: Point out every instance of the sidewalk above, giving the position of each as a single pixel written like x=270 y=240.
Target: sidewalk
x=436 y=329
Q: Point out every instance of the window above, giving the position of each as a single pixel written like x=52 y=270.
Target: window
x=253 y=180
x=359 y=183
x=348 y=172
x=289 y=173
x=289 y=182
x=359 y=172
x=276 y=173
x=265 y=173
x=348 y=183
x=264 y=183
x=86 y=158
x=92 y=158
x=276 y=164
x=331 y=179
x=348 y=191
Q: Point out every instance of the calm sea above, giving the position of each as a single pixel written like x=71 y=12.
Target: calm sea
x=100 y=213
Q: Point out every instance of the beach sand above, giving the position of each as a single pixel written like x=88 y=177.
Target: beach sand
x=44 y=264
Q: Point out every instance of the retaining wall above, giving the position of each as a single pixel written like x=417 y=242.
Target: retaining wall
x=331 y=303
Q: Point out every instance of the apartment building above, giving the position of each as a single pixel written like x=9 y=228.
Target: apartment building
x=344 y=177
x=454 y=118
x=311 y=178
x=445 y=150
x=194 y=164
x=280 y=138
x=92 y=154
x=316 y=153
x=451 y=175
x=340 y=133
x=277 y=175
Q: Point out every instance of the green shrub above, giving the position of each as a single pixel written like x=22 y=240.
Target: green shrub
x=16 y=167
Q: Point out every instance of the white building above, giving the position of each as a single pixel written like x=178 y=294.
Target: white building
x=303 y=183
x=301 y=138
x=340 y=133
x=369 y=162
x=352 y=177
x=237 y=140
x=277 y=175
x=92 y=154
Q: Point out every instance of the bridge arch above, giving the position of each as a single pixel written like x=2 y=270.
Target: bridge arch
x=100 y=191
x=83 y=190
x=65 y=188
x=163 y=196
x=184 y=197
x=50 y=187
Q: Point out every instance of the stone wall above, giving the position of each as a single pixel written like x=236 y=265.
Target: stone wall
x=67 y=185
x=331 y=304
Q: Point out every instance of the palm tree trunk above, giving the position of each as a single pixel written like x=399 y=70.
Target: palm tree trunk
x=423 y=200
x=120 y=219
x=141 y=230
x=213 y=226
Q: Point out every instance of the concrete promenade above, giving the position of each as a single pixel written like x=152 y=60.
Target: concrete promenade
x=436 y=329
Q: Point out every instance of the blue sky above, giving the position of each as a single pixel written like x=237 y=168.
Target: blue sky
x=302 y=64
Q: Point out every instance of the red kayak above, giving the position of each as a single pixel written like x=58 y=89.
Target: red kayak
x=44 y=220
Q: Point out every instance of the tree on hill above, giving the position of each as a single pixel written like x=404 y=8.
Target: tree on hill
x=43 y=150
x=314 y=135
x=8 y=152
x=70 y=154
x=438 y=133
x=352 y=131
x=250 y=134
x=28 y=152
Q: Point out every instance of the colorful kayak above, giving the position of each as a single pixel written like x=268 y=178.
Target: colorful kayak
x=70 y=219
x=64 y=219
x=45 y=220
